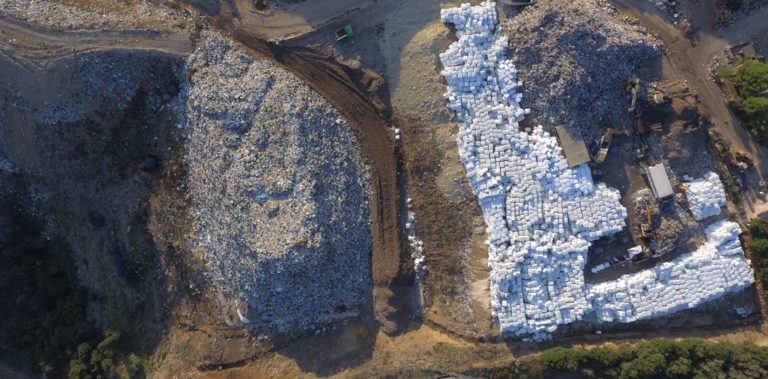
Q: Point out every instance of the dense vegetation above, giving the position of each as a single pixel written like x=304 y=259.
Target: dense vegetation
x=660 y=358
x=44 y=323
x=759 y=247
x=751 y=80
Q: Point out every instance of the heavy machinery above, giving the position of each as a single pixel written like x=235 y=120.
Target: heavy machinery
x=633 y=87
x=344 y=33
x=661 y=97
x=646 y=227
x=605 y=145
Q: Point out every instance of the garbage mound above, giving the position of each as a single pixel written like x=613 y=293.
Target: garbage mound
x=580 y=55
x=280 y=193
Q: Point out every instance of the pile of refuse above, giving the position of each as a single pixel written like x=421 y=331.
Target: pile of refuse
x=541 y=215
x=580 y=55
x=716 y=268
x=280 y=191
x=706 y=196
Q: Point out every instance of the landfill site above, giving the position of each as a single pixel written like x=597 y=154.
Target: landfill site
x=375 y=188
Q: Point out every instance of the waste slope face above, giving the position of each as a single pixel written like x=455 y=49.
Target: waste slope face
x=542 y=215
x=576 y=57
x=280 y=193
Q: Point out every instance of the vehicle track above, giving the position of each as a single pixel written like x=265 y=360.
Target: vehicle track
x=36 y=46
x=345 y=88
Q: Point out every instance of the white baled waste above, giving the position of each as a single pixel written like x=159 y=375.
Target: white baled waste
x=706 y=196
x=717 y=267
x=541 y=215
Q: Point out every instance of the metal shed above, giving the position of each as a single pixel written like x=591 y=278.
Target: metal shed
x=659 y=181
x=574 y=148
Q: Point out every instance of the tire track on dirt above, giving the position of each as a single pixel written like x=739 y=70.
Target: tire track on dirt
x=20 y=39
x=345 y=88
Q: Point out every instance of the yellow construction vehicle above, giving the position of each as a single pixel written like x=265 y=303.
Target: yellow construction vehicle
x=605 y=145
x=646 y=228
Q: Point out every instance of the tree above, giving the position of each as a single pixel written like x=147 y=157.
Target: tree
x=759 y=246
x=757 y=110
x=752 y=78
x=758 y=228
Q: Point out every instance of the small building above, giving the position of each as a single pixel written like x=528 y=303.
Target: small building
x=574 y=148
x=659 y=181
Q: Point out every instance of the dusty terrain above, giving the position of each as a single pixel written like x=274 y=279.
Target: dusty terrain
x=400 y=40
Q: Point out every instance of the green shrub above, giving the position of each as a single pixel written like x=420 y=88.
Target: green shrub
x=724 y=72
x=751 y=78
x=660 y=358
x=756 y=109
x=759 y=246
x=758 y=228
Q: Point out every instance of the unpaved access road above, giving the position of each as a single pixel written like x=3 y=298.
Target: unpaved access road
x=690 y=61
x=290 y=19
x=32 y=46
x=346 y=89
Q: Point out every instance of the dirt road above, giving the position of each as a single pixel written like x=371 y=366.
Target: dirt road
x=358 y=96
x=350 y=91
x=34 y=46
x=689 y=60
x=286 y=20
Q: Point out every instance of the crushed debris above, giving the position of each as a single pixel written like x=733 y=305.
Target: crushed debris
x=280 y=192
x=101 y=14
x=579 y=54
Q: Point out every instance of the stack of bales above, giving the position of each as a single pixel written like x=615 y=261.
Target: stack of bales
x=706 y=196
x=716 y=268
x=541 y=215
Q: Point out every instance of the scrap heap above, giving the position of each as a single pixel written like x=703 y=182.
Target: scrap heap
x=541 y=215
x=280 y=193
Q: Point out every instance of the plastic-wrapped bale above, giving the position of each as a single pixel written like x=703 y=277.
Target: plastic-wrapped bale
x=541 y=215
x=714 y=269
x=706 y=196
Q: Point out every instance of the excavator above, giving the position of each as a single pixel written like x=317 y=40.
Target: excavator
x=647 y=238
x=633 y=87
x=605 y=145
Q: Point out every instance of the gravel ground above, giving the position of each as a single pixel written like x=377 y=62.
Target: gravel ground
x=280 y=193
x=97 y=14
x=574 y=59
